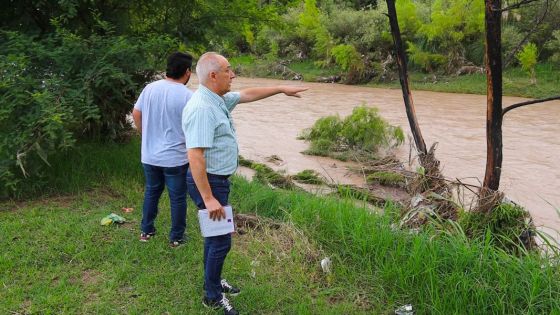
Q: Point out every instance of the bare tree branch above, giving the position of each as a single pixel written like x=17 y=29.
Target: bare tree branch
x=536 y=24
x=516 y=6
x=507 y=109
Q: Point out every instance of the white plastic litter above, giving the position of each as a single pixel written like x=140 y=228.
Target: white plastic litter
x=326 y=265
x=404 y=310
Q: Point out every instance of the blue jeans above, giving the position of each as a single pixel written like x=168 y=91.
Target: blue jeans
x=157 y=178
x=216 y=248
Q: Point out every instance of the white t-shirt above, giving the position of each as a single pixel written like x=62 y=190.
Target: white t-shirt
x=163 y=141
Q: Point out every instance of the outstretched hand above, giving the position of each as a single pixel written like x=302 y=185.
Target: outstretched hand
x=293 y=90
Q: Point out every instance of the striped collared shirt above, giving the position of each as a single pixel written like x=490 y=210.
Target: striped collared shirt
x=207 y=124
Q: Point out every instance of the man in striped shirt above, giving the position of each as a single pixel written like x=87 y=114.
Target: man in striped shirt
x=213 y=152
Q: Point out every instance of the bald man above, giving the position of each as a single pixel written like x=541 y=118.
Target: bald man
x=213 y=156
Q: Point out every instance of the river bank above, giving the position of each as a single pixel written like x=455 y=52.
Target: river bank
x=455 y=121
x=516 y=82
x=57 y=258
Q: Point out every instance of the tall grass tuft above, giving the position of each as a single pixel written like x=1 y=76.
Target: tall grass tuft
x=438 y=275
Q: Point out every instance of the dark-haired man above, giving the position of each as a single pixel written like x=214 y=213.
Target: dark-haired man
x=157 y=116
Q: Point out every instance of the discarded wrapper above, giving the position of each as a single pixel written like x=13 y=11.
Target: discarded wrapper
x=326 y=265
x=112 y=218
x=404 y=310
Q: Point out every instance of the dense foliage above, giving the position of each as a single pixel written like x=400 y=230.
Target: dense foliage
x=440 y=35
x=71 y=69
x=64 y=87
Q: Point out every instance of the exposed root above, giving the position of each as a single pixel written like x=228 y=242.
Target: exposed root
x=488 y=200
x=429 y=178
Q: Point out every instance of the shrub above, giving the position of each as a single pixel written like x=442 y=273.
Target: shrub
x=363 y=131
x=65 y=87
x=366 y=130
x=426 y=60
x=528 y=59
x=506 y=226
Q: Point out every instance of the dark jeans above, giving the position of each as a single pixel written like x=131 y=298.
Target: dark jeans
x=216 y=248
x=157 y=178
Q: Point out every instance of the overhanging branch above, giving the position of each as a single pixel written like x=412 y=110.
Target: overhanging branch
x=515 y=6
x=507 y=109
x=536 y=24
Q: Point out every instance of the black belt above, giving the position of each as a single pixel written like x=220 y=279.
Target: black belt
x=218 y=176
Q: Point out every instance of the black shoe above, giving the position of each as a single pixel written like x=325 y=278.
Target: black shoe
x=223 y=303
x=229 y=289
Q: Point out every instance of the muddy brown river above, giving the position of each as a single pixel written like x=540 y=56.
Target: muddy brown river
x=531 y=141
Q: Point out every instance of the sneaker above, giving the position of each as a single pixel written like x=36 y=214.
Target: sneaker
x=144 y=237
x=229 y=289
x=177 y=243
x=223 y=303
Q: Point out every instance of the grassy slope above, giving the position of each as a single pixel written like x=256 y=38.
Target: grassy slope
x=515 y=81
x=56 y=258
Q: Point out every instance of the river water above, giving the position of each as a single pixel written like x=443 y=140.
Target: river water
x=531 y=141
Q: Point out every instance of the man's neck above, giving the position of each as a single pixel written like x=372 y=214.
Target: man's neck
x=174 y=80
x=212 y=89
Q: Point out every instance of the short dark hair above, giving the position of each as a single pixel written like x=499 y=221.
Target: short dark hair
x=177 y=64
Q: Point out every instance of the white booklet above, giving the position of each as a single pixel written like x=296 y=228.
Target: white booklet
x=209 y=227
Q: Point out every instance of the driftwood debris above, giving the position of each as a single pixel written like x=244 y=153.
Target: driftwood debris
x=286 y=73
x=469 y=70
x=329 y=79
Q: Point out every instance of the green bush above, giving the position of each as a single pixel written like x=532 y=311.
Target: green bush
x=426 y=60
x=528 y=59
x=505 y=226
x=364 y=131
x=64 y=87
x=326 y=128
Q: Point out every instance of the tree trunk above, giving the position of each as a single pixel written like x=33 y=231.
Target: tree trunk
x=493 y=57
x=403 y=76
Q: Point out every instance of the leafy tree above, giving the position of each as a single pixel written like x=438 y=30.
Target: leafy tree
x=409 y=22
x=349 y=60
x=313 y=31
x=554 y=46
x=65 y=87
x=528 y=59
x=426 y=60
x=452 y=25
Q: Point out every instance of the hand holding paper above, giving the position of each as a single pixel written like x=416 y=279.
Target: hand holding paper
x=210 y=227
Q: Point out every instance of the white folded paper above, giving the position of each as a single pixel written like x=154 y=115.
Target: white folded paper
x=209 y=227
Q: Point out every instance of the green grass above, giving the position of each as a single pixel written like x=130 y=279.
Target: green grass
x=254 y=67
x=515 y=81
x=56 y=258
x=387 y=178
x=309 y=177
